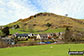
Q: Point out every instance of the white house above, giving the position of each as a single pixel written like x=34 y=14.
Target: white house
x=42 y=36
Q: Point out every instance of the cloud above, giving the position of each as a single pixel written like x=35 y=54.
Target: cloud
x=72 y=7
x=12 y=10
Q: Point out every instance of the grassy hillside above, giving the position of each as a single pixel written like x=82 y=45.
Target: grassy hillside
x=40 y=21
x=13 y=31
x=42 y=50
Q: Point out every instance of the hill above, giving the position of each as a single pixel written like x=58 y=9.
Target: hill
x=46 y=21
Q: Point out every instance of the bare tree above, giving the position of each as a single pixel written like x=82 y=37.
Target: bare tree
x=68 y=35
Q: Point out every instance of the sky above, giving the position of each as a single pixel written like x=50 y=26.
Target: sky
x=13 y=10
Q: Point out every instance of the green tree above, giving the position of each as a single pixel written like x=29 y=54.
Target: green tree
x=48 y=24
x=5 y=31
x=1 y=33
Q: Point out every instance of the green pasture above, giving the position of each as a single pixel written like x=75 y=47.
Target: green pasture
x=13 y=31
x=42 y=50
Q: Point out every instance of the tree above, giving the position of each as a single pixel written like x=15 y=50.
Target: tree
x=48 y=24
x=67 y=28
x=1 y=33
x=3 y=44
x=66 y=15
x=16 y=26
x=68 y=35
x=5 y=31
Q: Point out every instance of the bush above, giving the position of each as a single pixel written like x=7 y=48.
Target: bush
x=2 y=34
x=3 y=44
x=31 y=43
x=48 y=24
x=5 y=31
x=73 y=36
x=16 y=26
x=68 y=35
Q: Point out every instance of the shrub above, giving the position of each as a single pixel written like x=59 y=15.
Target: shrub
x=3 y=44
x=32 y=43
x=5 y=31
x=48 y=24
x=68 y=35
x=2 y=34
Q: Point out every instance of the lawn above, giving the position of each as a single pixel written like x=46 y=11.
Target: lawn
x=42 y=50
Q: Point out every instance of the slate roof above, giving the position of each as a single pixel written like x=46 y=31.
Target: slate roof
x=21 y=35
x=43 y=35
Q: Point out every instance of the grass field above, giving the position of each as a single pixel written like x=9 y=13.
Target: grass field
x=13 y=31
x=42 y=50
